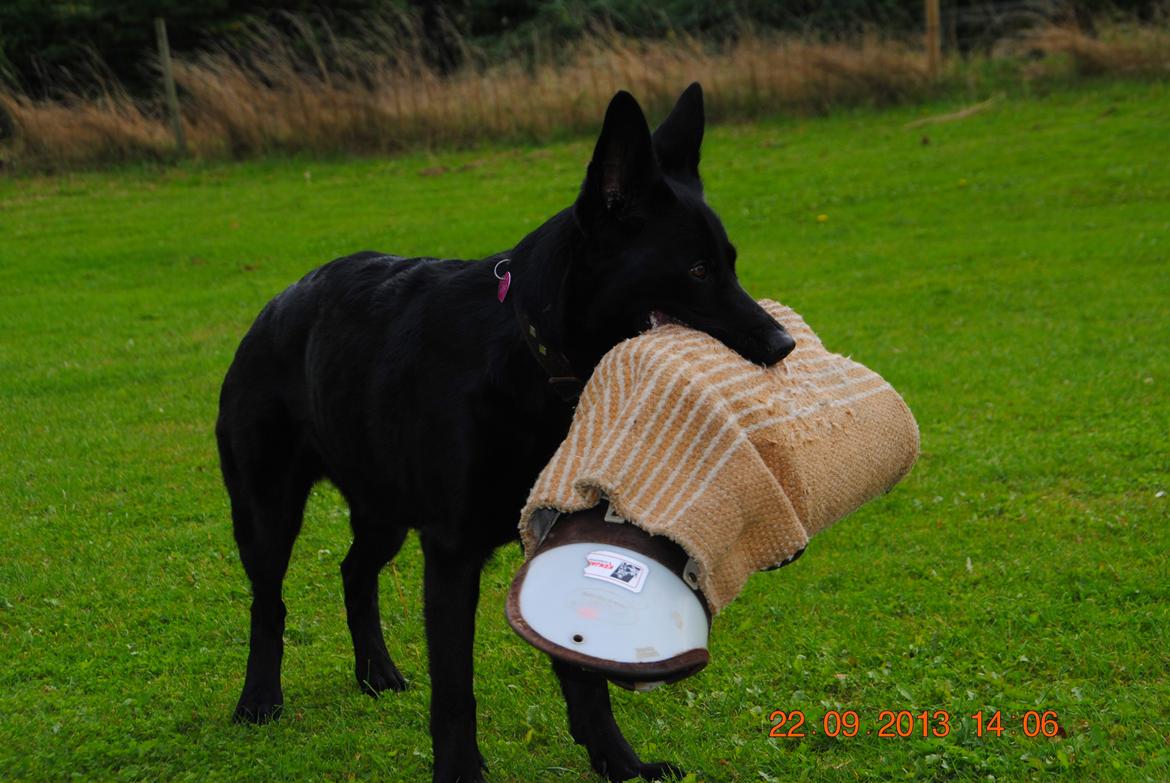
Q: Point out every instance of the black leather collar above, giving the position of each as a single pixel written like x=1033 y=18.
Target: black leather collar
x=561 y=378
x=555 y=364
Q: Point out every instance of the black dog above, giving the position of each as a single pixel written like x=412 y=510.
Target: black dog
x=431 y=393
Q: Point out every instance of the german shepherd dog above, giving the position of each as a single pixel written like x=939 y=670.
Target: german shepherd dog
x=431 y=393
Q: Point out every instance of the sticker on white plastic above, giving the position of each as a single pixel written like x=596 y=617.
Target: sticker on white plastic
x=617 y=570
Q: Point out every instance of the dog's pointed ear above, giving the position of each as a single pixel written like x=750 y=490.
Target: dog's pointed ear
x=624 y=168
x=679 y=137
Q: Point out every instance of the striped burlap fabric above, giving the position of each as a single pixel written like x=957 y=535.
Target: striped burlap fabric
x=738 y=464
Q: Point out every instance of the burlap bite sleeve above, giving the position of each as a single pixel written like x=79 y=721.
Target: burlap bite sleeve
x=737 y=463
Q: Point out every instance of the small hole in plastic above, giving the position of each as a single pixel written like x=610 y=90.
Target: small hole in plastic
x=578 y=638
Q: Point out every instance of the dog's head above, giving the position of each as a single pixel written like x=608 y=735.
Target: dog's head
x=653 y=250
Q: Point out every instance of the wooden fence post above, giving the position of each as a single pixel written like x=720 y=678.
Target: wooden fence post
x=933 y=39
x=164 y=56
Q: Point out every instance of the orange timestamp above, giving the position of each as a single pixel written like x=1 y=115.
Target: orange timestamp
x=902 y=724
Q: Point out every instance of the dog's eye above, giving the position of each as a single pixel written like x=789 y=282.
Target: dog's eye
x=699 y=271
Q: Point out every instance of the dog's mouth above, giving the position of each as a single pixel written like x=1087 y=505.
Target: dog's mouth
x=656 y=318
x=766 y=349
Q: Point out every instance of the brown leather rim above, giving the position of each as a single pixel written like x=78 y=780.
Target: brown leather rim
x=658 y=548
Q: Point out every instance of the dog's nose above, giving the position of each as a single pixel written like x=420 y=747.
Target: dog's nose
x=778 y=345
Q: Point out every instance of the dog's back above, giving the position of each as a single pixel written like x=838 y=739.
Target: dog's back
x=373 y=371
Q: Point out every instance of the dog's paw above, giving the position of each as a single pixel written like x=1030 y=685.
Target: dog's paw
x=376 y=676
x=466 y=777
x=470 y=769
x=259 y=705
x=661 y=770
x=471 y=774
x=622 y=769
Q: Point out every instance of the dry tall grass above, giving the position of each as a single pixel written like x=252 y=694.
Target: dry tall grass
x=78 y=133
x=318 y=94
x=276 y=104
x=1122 y=50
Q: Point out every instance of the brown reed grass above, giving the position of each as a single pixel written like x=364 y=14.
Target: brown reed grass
x=312 y=92
x=274 y=105
x=79 y=133
x=1126 y=50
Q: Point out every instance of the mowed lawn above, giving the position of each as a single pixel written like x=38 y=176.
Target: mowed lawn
x=1007 y=272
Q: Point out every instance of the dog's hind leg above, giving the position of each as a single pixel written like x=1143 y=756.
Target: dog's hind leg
x=373 y=547
x=592 y=724
x=268 y=474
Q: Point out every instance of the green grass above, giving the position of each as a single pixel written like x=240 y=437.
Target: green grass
x=1010 y=278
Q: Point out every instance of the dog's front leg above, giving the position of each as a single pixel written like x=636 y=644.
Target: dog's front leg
x=451 y=592
x=591 y=723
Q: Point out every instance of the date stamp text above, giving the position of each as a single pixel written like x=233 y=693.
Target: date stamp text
x=902 y=724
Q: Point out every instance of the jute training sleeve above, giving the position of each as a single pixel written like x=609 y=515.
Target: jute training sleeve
x=737 y=463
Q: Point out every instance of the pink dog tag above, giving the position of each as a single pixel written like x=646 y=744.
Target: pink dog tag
x=502 y=288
